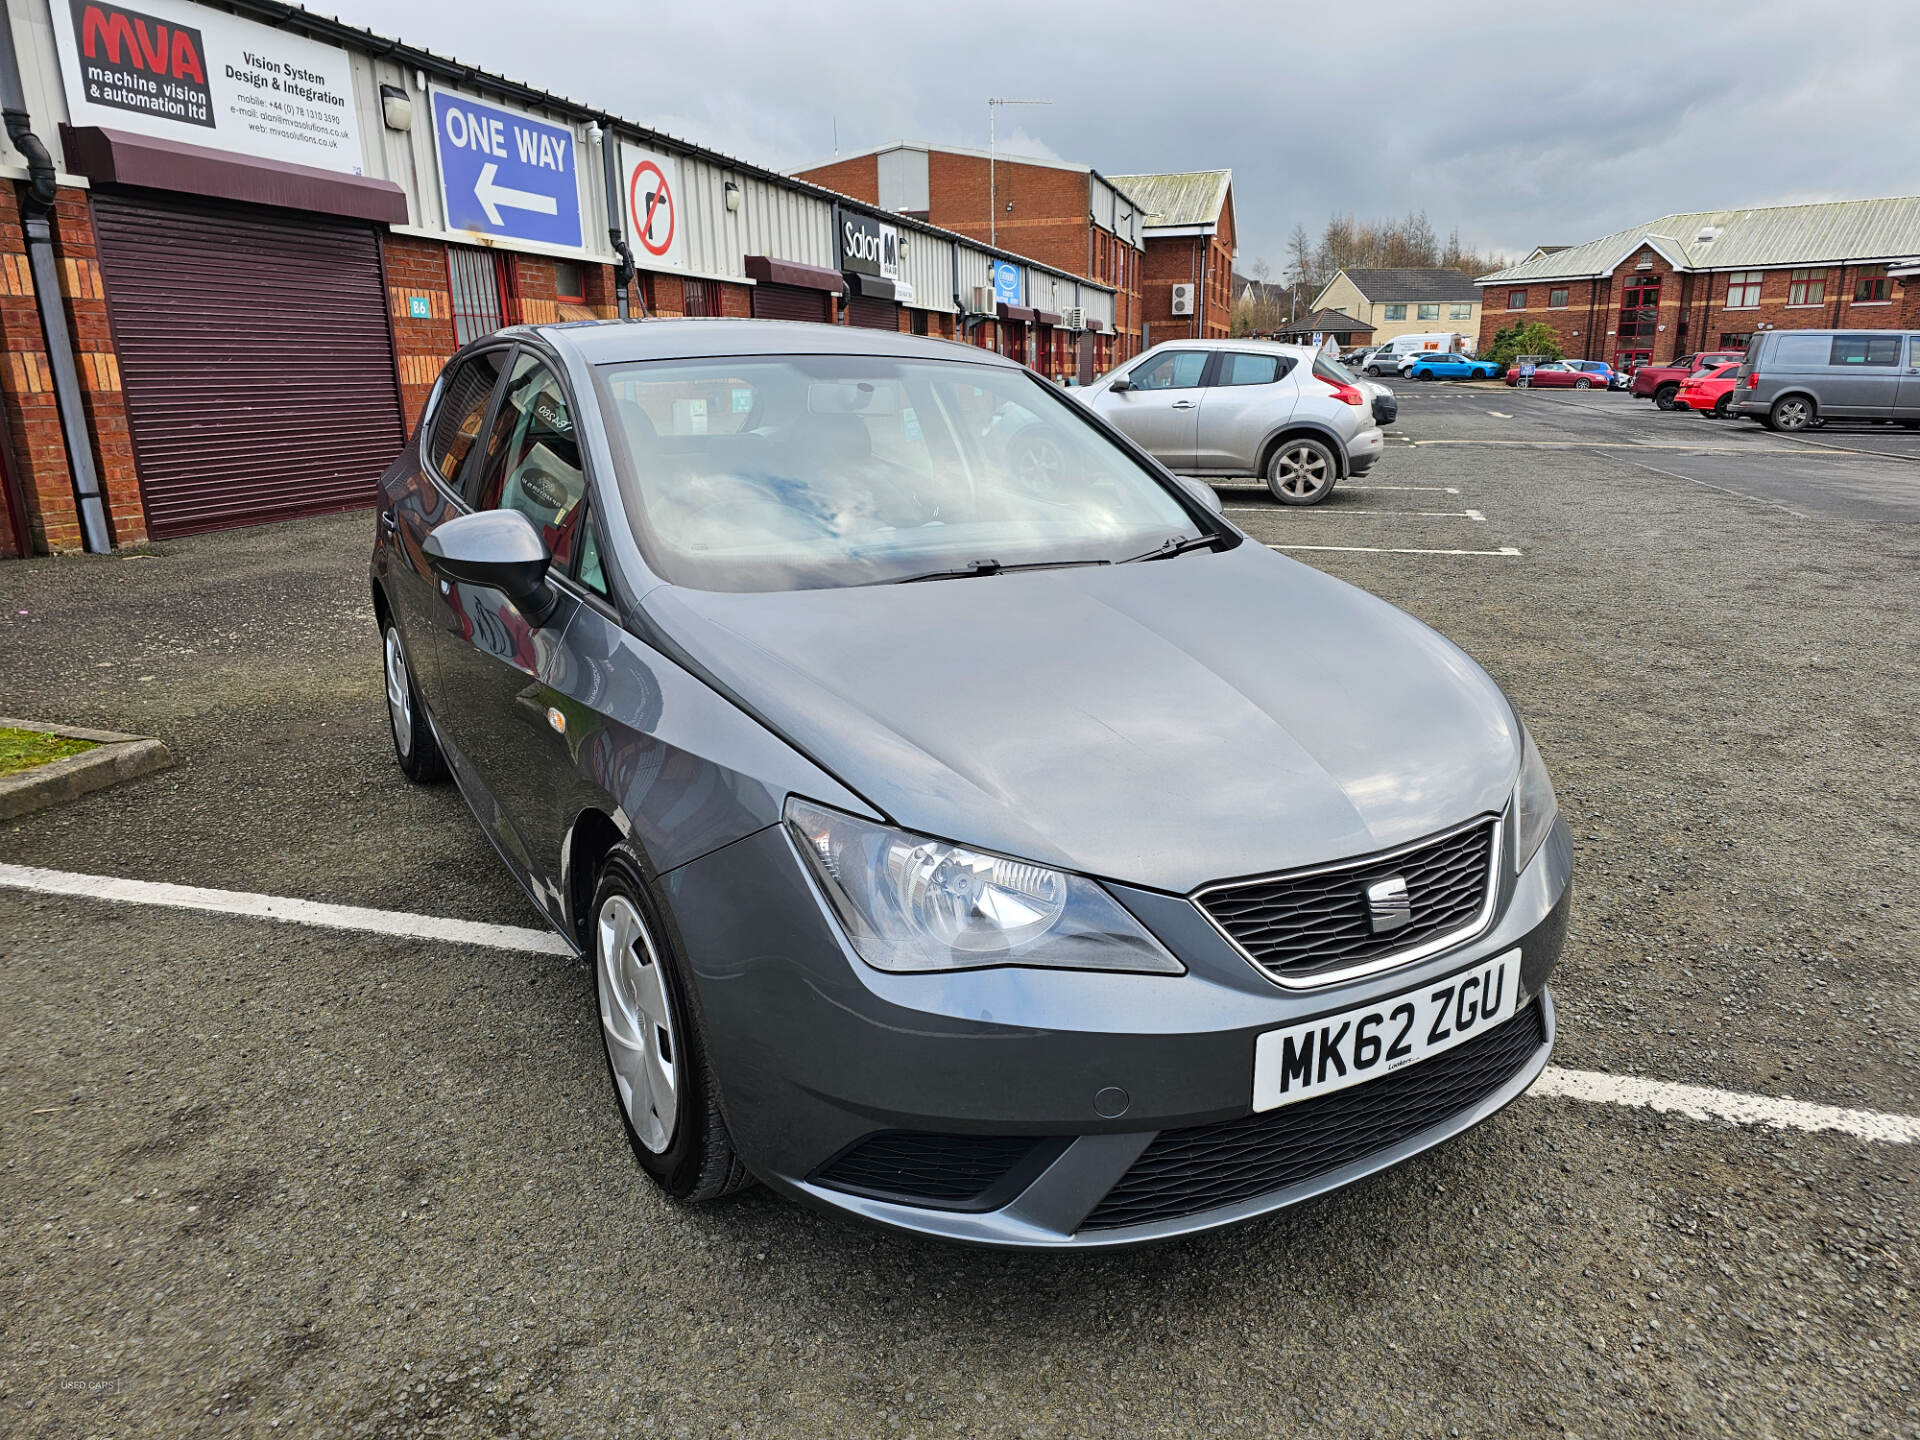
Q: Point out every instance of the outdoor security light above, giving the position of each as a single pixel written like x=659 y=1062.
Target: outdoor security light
x=395 y=108
x=733 y=198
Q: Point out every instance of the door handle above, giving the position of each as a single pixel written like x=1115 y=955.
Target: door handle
x=1183 y=404
x=388 y=523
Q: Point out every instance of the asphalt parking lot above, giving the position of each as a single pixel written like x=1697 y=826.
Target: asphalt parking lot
x=266 y=1178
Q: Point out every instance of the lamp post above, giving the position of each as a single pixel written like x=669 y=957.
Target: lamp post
x=993 y=200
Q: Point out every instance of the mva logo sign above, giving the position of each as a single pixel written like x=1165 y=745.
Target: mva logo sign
x=133 y=61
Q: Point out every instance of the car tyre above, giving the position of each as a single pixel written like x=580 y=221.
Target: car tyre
x=1791 y=413
x=1301 y=472
x=1663 y=398
x=414 y=745
x=656 y=1054
x=1723 y=407
x=1583 y=384
x=1423 y=375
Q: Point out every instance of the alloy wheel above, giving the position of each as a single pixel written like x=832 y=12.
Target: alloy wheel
x=1301 y=471
x=1792 y=413
x=636 y=1021
x=399 y=692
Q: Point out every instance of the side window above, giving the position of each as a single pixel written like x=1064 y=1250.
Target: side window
x=533 y=457
x=1865 y=350
x=589 y=569
x=1243 y=369
x=463 y=410
x=1175 y=370
x=1797 y=351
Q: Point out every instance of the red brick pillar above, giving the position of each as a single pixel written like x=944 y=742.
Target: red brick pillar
x=26 y=394
x=416 y=279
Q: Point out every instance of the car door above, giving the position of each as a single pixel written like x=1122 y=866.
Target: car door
x=1247 y=398
x=1906 y=405
x=1160 y=408
x=1862 y=377
x=497 y=712
x=424 y=490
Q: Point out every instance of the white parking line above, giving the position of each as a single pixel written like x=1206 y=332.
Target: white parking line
x=1696 y=1102
x=1499 y=414
x=279 y=907
x=1440 y=489
x=1356 y=514
x=1395 y=550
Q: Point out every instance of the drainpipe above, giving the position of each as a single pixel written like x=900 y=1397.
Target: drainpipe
x=42 y=190
x=624 y=268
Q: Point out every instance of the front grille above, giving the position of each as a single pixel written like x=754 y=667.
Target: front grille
x=953 y=1172
x=1313 y=927
x=1184 y=1172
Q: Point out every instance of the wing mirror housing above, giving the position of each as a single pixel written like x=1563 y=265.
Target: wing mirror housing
x=498 y=550
x=1118 y=383
x=1203 y=492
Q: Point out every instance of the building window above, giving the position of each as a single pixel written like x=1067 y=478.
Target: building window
x=1556 y=299
x=1807 y=287
x=1870 y=285
x=1460 y=312
x=1743 y=289
x=1396 y=312
x=1639 y=314
x=1429 y=312
x=486 y=292
x=569 y=282
x=1735 y=339
x=701 y=297
x=1516 y=299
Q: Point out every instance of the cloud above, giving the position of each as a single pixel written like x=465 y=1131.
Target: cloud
x=1517 y=126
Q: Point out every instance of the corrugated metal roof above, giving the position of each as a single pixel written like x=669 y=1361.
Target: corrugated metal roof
x=1829 y=232
x=1414 y=284
x=1191 y=197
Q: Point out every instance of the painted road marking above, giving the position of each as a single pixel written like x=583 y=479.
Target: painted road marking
x=1632 y=445
x=278 y=907
x=1499 y=414
x=1696 y=1102
x=1395 y=550
x=1476 y=517
x=1427 y=514
x=1438 y=489
x=1709 y=485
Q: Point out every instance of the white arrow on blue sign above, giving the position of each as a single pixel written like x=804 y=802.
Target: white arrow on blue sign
x=507 y=174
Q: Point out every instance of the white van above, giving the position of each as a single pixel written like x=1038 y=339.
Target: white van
x=1441 y=340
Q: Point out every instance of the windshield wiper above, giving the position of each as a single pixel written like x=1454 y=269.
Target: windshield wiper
x=1175 y=545
x=985 y=567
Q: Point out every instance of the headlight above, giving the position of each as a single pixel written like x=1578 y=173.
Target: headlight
x=1534 y=805
x=911 y=903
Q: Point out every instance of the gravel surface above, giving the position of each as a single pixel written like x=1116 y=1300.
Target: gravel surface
x=266 y=1180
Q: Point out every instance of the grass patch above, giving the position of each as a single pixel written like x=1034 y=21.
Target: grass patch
x=24 y=749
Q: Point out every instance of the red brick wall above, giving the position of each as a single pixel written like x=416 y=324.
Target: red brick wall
x=858 y=177
x=418 y=268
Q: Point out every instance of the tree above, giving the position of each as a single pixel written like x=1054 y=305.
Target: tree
x=1531 y=338
x=1348 y=243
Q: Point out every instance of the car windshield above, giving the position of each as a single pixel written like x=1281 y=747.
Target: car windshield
x=812 y=471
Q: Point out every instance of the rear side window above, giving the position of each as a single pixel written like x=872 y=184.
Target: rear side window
x=463 y=409
x=1798 y=351
x=1865 y=350
x=1242 y=369
x=533 y=457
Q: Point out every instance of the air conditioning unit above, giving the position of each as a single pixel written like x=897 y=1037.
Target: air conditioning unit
x=983 y=299
x=1183 y=299
x=1075 y=318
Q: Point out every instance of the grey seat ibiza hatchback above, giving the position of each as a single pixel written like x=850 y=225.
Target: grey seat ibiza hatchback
x=969 y=829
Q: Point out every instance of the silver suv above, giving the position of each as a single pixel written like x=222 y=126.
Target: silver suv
x=1285 y=413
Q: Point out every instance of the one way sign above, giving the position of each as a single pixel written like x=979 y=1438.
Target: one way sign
x=503 y=173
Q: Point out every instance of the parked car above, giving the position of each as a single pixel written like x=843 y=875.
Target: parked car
x=1384 y=361
x=1123 y=880
x=1709 y=391
x=1426 y=365
x=1603 y=374
x=1661 y=383
x=1245 y=407
x=1794 y=379
x=1554 y=375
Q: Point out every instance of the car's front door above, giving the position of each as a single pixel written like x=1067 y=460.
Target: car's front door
x=507 y=732
x=1862 y=377
x=1248 y=398
x=1160 y=408
x=425 y=492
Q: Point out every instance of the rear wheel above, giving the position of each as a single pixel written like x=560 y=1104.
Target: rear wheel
x=1723 y=407
x=1790 y=413
x=413 y=743
x=1423 y=375
x=1301 y=472
x=1663 y=397
x=1583 y=384
x=656 y=1056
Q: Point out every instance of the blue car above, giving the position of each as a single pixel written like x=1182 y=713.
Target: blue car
x=1602 y=372
x=1451 y=367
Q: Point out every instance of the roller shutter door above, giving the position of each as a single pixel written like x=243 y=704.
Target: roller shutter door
x=870 y=313
x=255 y=356
x=791 y=302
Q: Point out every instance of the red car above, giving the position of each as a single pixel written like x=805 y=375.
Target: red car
x=1661 y=383
x=1708 y=391
x=1558 y=375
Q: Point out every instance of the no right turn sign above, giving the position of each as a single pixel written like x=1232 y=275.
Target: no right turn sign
x=655 y=221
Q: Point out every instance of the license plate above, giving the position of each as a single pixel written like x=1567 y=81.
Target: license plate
x=1362 y=1044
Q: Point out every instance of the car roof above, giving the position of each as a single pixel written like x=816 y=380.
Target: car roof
x=1252 y=347
x=601 y=342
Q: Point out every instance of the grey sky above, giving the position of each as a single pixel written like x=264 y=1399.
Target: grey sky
x=1517 y=124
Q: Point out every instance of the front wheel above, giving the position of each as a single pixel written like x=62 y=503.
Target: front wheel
x=1583 y=384
x=656 y=1057
x=1794 y=412
x=1301 y=472
x=413 y=743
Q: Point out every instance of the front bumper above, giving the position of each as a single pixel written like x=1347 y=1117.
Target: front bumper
x=816 y=1052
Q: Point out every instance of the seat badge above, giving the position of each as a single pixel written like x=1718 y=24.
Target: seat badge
x=1388 y=905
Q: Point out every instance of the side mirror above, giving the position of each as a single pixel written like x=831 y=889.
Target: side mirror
x=1117 y=384
x=1203 y=492
x=499 y=550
